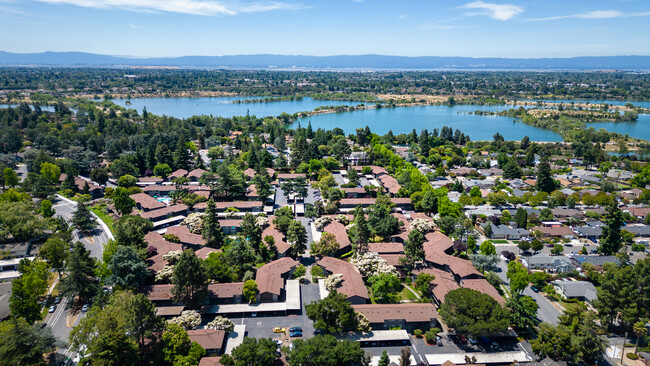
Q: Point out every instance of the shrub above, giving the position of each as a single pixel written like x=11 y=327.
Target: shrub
x=417 y=333
x=299 y=271
x=317 y=271
x=632 y=356
x=430 y=335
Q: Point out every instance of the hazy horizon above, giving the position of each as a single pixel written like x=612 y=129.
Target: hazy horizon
x=468 y=28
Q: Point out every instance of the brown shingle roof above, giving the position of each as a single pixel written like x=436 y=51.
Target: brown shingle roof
x=185 y=236
x=179 y=173
x=338 y=230
x=226 y=290
x=236 y=204
x=390 y=183
x=146 y=202
x=442 y=283
x=165 y=211
x=204 y=252
x=269 y=276
x=482 y=285
x=158 y=292
x=352 y=284
x=208 y=338
x=210 y=361
x=196 y=173
x=280 y=243
x=386 y=248
x=409 y=312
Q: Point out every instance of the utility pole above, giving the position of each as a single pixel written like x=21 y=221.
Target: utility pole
x=623 y=347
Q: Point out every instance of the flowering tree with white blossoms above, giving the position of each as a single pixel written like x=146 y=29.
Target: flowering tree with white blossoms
x=194 y=222
x=165 y=274
x=189 y=319
x=422 y=225
x=371 y=264
x=261 y=221
x=363 y=324
x=321 y=222
x=172 y=256
x=333 y=281
x=221 y=323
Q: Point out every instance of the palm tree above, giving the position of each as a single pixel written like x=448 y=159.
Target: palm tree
x=639 y=329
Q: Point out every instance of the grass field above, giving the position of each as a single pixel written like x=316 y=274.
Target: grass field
x=99 y=210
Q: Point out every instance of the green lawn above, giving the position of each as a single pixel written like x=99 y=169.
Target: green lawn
x=99 y=210
x=405 y=294
x=500 y=241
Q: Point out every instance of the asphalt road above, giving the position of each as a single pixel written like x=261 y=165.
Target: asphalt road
x=547 y=312
x=63 y=319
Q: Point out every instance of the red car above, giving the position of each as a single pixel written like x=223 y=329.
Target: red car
x=462 y=338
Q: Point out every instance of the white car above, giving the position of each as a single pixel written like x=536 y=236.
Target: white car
x=278 y=342
x=52 y=309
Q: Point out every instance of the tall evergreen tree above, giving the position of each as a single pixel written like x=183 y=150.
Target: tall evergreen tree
x=610 y=241
x=211 y=228
x=545 y=180
x=190 y=280
x=83 y=218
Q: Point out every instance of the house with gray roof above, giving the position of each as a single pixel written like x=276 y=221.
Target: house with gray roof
x=597 y=260
x=581 y=290
x=550 y=263
x=506 y=232
x=638 y=230
x=589 y=232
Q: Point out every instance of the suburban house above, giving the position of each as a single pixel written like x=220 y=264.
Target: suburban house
x=352 y=286
x=506 y=232
x=548 y=263
x=441 y=285
x=271 y=278
x=145 y=202
x=212 y=340
x=338 y=230
x=226 y=293
x=581 y=290
x=407 y=316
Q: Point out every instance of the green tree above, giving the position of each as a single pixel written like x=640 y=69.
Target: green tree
x=536 y=245
x=385 y=288
x=82 y=218
x=18 y=222
x=413 y=247
x=162 y=170
x=326 y=246
x=80 y=274
x=128 y=270
x=545 y=182
x=639 y=330
x=332 y=314
x=518 y=276
x=511 y=170
x=46 y=209
x=262 y=186
x=623 y=293
x=22 y=344
x=250 y=290
x=297 y=236
x=104 y=333
x=212 y=232
x=251 y=231
x=325 y=350
x=27 y=290
x=130 y=230
x=523 y=245
x=175 y=343
x=218 y=269
x=142 y=322
x=423 y=282
x=487 y=230
x=384 y=360
x=10 y=178
x=487 y=248
x=190 y=280
x=99 y=175
x=557 y=249
x=254 y=352
x=610 y=240
x=554 y=342
x=127 y=181
x=54 y=251
x=124 y=204
x=521 y=218
x=472 y=312
x=522 y=312
x=50 y=173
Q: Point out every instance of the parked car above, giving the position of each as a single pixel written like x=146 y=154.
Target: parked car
x=471 y=340
x=52 y=309
x=295 y=329
x=462 y=338
x=535 y=289
x=84 y=308
x=279 y=330
x=278 y=342
x=57 y=300
x=295 y=334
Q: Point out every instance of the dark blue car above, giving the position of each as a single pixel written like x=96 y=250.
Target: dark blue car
x=295 y=334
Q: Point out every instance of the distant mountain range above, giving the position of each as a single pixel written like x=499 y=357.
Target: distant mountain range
x=81 y=59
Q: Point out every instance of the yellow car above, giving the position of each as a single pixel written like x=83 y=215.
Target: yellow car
x=279 y=330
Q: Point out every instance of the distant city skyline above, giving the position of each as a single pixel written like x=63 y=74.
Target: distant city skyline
x=170 y=28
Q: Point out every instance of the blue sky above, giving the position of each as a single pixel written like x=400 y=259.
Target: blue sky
x=514 y=28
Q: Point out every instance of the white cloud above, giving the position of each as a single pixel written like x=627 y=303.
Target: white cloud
x=495 y=11
x=195 y=7
x=403 y=16
x=596 y=14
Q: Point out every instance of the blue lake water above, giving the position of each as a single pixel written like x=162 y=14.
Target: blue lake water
x=612 y=102
x=639 y=129
x=405 y=119
x=222 y=106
